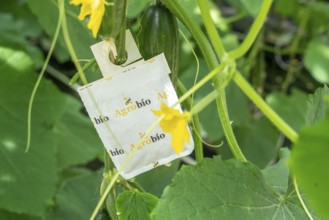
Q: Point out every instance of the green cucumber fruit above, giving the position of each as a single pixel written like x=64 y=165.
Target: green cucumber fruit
x=102 y=215
x=114 y=18
x=159 y=34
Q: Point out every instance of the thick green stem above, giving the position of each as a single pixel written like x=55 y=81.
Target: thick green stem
x=254 y=30
x=226 y=123
x=176 y=8
x=212 y=63
x=221 y=100
x=211 y=29
x=263 y=106
x=196 y=131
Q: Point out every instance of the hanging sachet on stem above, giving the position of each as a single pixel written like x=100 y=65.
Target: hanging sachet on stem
x=130 y=99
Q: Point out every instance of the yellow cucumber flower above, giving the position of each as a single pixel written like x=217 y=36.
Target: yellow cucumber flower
x=174 y=123
x=94 y=8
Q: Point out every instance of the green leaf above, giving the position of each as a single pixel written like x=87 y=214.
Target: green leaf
x=216 y=189
x=154 y=181
x=13 y=35
x=252 y=6
x=277 y=175
x=47 y=14
x=316 y=60
x=258 y=141
x=78 y=141
x=317 y=105
x=77 y=198
x=25 y=21
x=287 y=7
x=135 y=205
x=319 y=15
x=135 y=7
x=27 y=180
x=14 y=216
x=309 y=163
x=291 y=108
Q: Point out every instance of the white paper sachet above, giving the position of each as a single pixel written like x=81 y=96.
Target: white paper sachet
x=123 y=114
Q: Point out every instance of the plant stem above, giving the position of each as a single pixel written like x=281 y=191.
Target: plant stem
x=135 y=185
x=204 y=102
x=301 y=199
x=211 y=29
x=203 y=81
x=36 y=85
x=176 y=8
x=84 y=68
x=212 y=62
x=120 y=44
x=221 y=100
x=254 y=30
x=263 y=106
x=108 y=164
x=196 y=131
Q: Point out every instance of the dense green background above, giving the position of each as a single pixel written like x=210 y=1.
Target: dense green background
x=59 y=178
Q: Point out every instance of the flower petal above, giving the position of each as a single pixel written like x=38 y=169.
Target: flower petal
x=85 y=10
x=96 y=17
x=174 y=123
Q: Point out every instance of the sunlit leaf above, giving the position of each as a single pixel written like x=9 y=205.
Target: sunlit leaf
x=316 y=60
x=27 y=180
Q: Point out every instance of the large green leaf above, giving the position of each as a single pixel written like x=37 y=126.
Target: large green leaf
x=77 y=198
x=224 y=190
x=317 y=105
x=316 y=60
x=47 y=13
x=27 y=180
x=78 y=141
x=133 y=205
x=309 y=163
x=291 y=108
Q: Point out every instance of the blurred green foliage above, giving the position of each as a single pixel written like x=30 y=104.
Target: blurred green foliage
x=59 y=178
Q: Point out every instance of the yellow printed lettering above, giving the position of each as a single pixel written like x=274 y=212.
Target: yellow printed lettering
x=163 y=95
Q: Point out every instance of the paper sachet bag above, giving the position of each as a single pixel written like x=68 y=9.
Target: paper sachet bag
x=123 y=114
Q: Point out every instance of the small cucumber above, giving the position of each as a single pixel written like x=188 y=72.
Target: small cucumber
x=159 y=34
x=114 y=18
x=102 y=215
